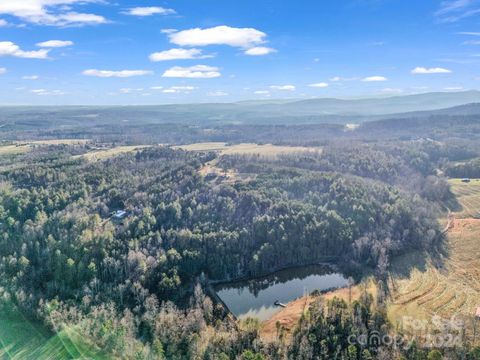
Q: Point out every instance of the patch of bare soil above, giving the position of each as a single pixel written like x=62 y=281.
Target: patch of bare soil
x=289 y=316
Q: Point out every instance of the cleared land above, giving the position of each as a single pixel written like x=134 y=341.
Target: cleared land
x=468 y=195
x=102 y=154
x=289 y=316
x=13 y=149
x=21 y=147
x=449 y=286
x=229 y=176
x=58 y=142
x=251 y=149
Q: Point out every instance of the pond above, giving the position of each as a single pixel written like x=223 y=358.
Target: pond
x=256 y=297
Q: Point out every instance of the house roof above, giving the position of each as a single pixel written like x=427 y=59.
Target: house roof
x=120 y=213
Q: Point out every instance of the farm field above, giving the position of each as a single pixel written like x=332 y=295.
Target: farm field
x=450 y=285
x=21 y=147
x=468 y=195
x=58 y=142
x=248 y=148
x=230 y=176
x=102 y=154
x=13 y=149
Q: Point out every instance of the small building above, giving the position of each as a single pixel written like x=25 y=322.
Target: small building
x=119 y=214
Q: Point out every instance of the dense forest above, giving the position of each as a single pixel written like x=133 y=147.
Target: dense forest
x=68 y=261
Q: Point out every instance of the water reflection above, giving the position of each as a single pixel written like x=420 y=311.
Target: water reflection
x=255 y=298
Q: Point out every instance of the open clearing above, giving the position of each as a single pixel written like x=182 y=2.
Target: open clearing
x=13 y=149
x=468 y=195
x=21 y=147
x=453 y=287
x=249 y=149
x=102 y=154
x=230 y=176
x=289 y=316
x=57 y=142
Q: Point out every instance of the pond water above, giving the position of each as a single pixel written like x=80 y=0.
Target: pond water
x=256 y=297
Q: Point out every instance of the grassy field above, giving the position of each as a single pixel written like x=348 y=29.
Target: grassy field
x=230 y=176
x=447 y=285
x=206 y=146
x=22 y=339
x=57 y=142
x=21 y=147
x=268 y=150
x=13 y=149
x=102 y=154
x=468 y=195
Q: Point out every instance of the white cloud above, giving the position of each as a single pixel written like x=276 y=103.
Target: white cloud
x=217 y=93
x=50 y=12
x=455 y=10
x=148 y=11
x=374 y=78
x=339 y=78
x=80 y=19
x=3 y=71
x=196 y=72
x=283 y=87
x=3 y=23
x=30 y=77
x=391 y=91
x=183 y=88
x=472 y=33
x=129 y=90
x=45 y=92
x=179 y=89
x=448 y=6
x=259 y=51
x=156 y=87
x=168 y=31
x=262 y=92
x=471 y=42
x=178 y=54
x=8 y=48
x=219 y=35
x=119 y=74
x=453 y=88
x=435 y=70
x=55 y=43
x=319 y=85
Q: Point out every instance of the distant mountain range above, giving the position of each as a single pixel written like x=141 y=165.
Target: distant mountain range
x=368 y=106
x=311 y=111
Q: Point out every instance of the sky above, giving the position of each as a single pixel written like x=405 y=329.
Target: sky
x=128 y=52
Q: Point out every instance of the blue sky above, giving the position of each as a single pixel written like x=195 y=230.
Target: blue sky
x=156 y=52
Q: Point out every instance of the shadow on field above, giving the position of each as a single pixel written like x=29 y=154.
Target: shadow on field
x=403 y=265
